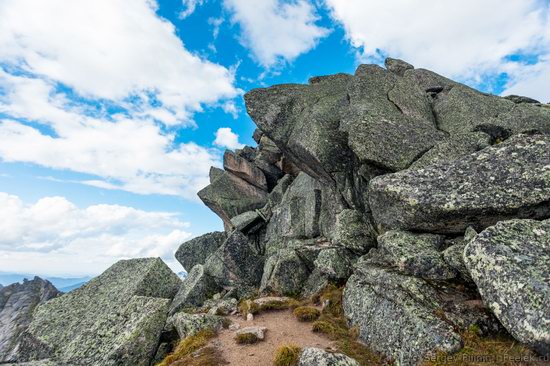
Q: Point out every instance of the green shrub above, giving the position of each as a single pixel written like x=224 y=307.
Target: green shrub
x=306 y=313
x=287 y=355
x=246 y=338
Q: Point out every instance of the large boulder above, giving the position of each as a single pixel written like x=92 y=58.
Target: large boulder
x=115 y=319
x=510 y=264
x=284 y=273
x=197 y=250
x=17 y=303
x=405 y=317
x=507 y=180
x=190 y=324
x=311 y=356
x=195 y=290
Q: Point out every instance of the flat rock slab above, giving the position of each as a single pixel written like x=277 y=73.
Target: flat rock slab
x=511 y=179
x=510 y=264
x=311 y=356
x=194 y=290
x=258 y=332
x=115 y=319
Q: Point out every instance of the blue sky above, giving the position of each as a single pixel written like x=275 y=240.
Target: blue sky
x=112 y=112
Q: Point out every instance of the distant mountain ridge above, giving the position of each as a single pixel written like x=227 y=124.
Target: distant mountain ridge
x=64 y=284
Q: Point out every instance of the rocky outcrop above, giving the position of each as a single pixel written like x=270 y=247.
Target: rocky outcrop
x=115 y=319
x=311 y=356
x=510 y=264
x=17 y=304
x=396 y=166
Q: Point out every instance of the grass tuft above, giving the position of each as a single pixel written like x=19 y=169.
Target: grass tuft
x=306 y=313
x=186 y=347
x=499 y=349
x=287 y=355
x=333 y=324
x=246 y=338
x=250 y=307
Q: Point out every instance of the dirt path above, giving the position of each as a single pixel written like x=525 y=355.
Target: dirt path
x=282 y=328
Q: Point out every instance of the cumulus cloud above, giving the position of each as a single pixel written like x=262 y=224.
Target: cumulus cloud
x=276 y=30
x=58 y=237
x=129 y=154
x=99 y=87
x=227 y=138
x=533 y=81
x=116 y=50
x=465 y=39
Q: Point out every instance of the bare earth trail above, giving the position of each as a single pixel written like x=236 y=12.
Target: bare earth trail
x=282 y=328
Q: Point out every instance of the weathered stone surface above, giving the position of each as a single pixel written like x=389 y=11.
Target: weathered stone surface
x=248 y=221
x=229 y=195
x=244 y=169
x=307 y=210
x=354 y=232
x=115 y=319
x=396 y=66
x=17 y=303
x=453 y=149
x=238 y=263
x=518 y=99
x=195 y=290
x=390 y=122
x=462 y=109
x=189 y=324
x=221 y=306
x=509 y=263
x=284 y=273
x=414 y=254
x=197 y=250
x=335 y=263
x=374 y=295
x=511 y=179
x=454 y=257
x=317 y=357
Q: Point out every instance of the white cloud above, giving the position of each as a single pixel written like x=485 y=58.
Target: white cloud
x=114 y=50
x=534 y=82
x=227 y=138
x=131 y=83
x=129 y=154
x=58 y=237
x=277 y=30
x=465 y=38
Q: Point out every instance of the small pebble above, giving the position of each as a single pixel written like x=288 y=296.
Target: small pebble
x=249 y=317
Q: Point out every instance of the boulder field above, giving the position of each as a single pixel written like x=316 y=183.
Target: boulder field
x=427 y=200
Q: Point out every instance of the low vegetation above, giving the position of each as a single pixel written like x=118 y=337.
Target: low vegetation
x=499 y=349
x=287 y=355
x=250 y=307
x=333 y=324
x=246 y=338
x=191 y=351
x=306 y=313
